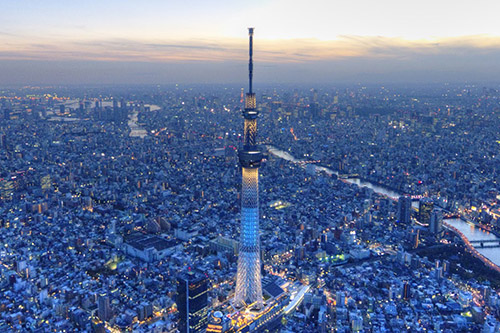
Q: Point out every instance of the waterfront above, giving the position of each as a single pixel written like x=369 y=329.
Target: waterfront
x=135 y=129
x=376 y=188
x=471 y=232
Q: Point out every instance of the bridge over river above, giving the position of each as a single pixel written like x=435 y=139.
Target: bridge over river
x=486 y=243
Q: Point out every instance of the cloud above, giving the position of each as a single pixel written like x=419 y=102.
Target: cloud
x=348 y=58
x=8 y=34
x=292 y=50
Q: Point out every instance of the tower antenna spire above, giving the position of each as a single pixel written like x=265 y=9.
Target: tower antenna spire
x=250 y=60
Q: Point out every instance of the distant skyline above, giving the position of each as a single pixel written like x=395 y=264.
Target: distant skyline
x=61 y=42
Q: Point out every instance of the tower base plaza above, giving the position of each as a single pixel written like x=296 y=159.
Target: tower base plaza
x=280 y=299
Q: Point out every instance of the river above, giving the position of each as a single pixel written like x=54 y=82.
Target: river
x=474 y=233
x=376 y=188
x=468 y=229
x=135 y=129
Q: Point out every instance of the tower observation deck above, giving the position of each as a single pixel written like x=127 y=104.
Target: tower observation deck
x=248 y=279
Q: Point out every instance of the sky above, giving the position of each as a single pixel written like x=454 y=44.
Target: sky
x=199 y=41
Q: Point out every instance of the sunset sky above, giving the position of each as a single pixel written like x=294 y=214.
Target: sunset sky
x=206 y=41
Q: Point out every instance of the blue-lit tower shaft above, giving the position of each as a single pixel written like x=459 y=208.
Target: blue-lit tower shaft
x=248 y=279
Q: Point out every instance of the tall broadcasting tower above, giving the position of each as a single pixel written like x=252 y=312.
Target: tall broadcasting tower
x=248 y=284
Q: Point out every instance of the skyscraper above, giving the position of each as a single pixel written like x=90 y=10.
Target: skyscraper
x=248 y=279
x=406 y=291
x=192 y=301
x=436 y=222
x=416 y=240
x=404 y=209
x=103 y=308
x=425 y=207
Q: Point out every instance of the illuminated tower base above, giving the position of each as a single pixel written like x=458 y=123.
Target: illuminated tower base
x=248 y=284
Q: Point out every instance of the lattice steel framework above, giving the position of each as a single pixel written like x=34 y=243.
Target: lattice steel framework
x=250 y=131
x=248 y=278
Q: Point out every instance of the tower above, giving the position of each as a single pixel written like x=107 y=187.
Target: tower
x=192 y=302
x=248 y=278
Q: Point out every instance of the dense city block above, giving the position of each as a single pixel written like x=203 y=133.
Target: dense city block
x=120 y=208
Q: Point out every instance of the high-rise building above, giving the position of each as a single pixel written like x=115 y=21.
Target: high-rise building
x=436 y=222
x=144 y=311
x=425 y=207
x=404 y=209
x=340 y=299
x=314 y=109
x=103 y=308
x=192 y=301
x=3 y=141
x=248 y=279
x=356 y=323
x=406 y=291
x=446 y=266
x=416 y=240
